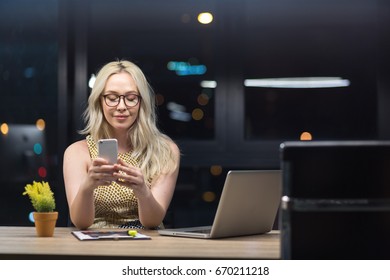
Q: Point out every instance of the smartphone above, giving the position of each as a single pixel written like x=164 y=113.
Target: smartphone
x=108 y=149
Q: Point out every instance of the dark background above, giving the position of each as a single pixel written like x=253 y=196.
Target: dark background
x=50 y=48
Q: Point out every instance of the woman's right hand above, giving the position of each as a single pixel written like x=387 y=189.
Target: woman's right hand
x=100 y=173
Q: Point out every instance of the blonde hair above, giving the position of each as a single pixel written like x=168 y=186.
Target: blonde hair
x=150 y=147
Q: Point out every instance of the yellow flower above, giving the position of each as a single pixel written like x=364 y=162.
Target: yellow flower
x=41 y=196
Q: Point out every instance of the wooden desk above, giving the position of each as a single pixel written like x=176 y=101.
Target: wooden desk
x=22 y=243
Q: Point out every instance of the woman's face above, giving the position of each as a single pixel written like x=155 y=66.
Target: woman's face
x=123 y=115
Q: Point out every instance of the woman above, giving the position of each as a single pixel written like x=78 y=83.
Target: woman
x=137 y=190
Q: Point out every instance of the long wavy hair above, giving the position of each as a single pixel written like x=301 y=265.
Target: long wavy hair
x=150 y=146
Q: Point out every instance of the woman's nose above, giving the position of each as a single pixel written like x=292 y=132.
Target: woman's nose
x=122 y=104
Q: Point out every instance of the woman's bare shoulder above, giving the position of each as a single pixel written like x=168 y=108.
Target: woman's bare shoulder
x=174 y=148
x=78 y=147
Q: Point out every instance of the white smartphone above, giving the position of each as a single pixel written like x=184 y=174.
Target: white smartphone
x=108 y=149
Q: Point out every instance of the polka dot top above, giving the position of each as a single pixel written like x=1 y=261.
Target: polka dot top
x=115 y=205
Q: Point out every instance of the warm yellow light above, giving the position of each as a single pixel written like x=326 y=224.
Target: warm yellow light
x=205 y=18
x=197 y=114
x=306 y=136
x=216 y=170
x=40 y=124
x=208 y=196
x=203 y=99
x=4 y=128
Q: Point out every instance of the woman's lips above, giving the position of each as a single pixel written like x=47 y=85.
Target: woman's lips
x=121 y=117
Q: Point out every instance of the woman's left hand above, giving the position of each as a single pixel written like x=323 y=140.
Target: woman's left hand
x=130 y=176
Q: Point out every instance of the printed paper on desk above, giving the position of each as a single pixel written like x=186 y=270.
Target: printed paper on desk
x=107 y=235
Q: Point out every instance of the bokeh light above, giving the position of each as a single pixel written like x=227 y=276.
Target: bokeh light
x=160 y=99
x=203 y=99
x=31 y=217
x=38 y=148
x=208 y=196
x=4 y=128
x=42 y=172
x=306 y=136
x=216 y=170
x=197 y=114
x=185 y=18
x=205 y=18
x=40 y=124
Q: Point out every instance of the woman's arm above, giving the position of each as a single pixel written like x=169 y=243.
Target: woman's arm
x=153 y=203
x=81 y=177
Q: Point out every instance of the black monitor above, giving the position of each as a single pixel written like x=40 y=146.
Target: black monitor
x=336 y=200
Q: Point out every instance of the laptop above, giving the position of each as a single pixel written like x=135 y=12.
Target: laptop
x=248 y=205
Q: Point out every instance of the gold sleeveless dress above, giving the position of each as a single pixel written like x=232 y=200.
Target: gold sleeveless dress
x=115 y=205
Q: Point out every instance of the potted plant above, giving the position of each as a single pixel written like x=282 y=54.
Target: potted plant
x=42 y=199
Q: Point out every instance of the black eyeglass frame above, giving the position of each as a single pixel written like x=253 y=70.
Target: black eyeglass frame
x=139 y=98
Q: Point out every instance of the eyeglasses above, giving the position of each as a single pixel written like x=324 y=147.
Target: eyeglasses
x=112 y=100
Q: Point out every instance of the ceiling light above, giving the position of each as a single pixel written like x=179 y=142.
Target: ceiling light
x=205 y=18
x=92 y=80
x=208 y=84
x=303 y=82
